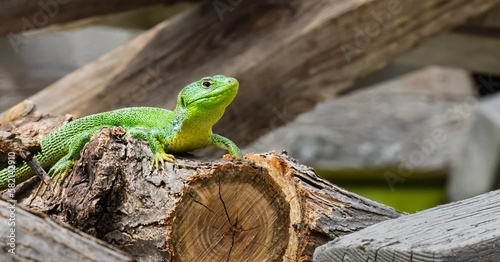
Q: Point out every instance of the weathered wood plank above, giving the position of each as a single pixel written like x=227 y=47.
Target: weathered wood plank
x=28 y=236
x=287 y=55
x=467 y=230
x=24 y=15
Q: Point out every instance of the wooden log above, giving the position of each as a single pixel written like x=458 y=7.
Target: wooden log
x=21 y=16
x=449 y=49
x=489 y=20
x=32 y=236
x=266 y=207
x=471 y=46
x=297 y=53
x=467 y=230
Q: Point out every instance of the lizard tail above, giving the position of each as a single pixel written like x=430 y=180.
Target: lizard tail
x=13 y=176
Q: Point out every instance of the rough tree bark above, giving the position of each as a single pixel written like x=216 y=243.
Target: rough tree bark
x=21 y=129
x=266 y=207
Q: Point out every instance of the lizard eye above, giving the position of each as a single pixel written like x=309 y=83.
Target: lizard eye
x=182 y=102
x=206 y=84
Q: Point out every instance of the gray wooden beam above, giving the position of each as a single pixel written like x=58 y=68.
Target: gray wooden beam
x=467 y=230
x=31 y=236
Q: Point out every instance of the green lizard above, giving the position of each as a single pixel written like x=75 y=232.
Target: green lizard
x=189 y=127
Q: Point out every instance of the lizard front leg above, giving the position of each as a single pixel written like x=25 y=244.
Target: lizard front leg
x=62 y=166
x=60 y=169
x=224 y=143
x=154 y=140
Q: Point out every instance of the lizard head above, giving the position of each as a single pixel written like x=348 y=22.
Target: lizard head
x=209 y=93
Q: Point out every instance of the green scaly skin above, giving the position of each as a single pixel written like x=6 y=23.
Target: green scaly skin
x=189 y=127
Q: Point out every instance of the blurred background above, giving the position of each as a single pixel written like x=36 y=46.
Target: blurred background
x=417 y=130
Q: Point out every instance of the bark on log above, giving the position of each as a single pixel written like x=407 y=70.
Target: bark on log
x=30 y=236
x=22 y=128
x=287 y=55
x=266 y=207
x=20 y=16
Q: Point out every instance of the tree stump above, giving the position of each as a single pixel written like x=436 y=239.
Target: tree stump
x=265 y=207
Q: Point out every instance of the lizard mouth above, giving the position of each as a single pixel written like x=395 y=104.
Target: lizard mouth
x=221 y=95
x=204 y=99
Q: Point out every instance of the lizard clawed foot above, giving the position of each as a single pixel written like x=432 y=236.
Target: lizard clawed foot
x=160 y=157
x=38 y=190
x=57 y=176
x=58 y=173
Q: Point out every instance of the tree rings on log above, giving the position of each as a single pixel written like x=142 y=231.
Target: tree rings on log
x=235 y=213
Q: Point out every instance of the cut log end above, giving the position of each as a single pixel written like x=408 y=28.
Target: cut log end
x=236 y=214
